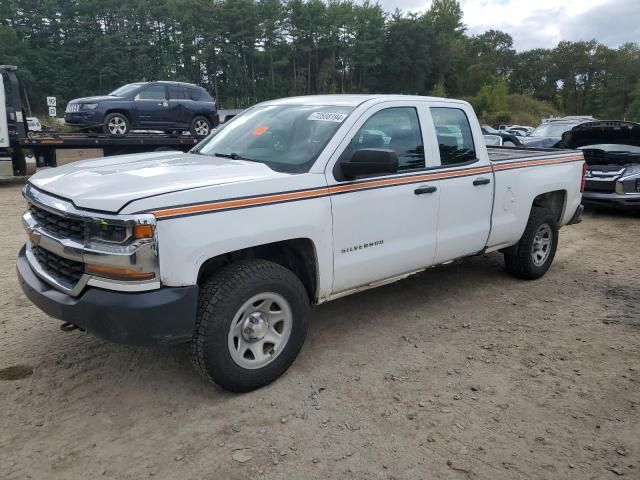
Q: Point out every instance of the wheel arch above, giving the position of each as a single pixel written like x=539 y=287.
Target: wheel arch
x=555 y=201
x=121 y=111
x=298 y=255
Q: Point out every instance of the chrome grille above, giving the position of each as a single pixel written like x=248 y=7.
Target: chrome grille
x=57 y=225
x=65 y=270
x=72 y=108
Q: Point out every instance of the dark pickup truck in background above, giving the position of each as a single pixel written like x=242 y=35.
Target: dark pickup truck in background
x=612 y=153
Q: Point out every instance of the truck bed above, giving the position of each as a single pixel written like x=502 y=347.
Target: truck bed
x=502 y=154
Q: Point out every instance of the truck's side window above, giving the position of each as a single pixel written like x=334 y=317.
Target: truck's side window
x=397 y=129
x=454 y=135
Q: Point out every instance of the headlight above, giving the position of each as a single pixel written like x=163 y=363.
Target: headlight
x=89 y=106
x=109 y=232
x=632 y=170
x=119 y=232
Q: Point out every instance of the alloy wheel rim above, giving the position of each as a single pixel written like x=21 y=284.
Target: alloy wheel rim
x=541 y=245
x=202 y=128
x=117 y=126
x=260 y=330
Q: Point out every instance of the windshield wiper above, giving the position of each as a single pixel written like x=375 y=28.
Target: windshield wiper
x=235 y=156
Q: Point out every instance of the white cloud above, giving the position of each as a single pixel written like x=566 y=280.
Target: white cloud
x=543 y=23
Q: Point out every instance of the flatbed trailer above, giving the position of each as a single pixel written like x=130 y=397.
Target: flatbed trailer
x=22 y=152
x=44 y=146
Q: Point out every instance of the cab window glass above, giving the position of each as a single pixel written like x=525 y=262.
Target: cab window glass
x=455 y=139
x=396 y=129
x=154 y=92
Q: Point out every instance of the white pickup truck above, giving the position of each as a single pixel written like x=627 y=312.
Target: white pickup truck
x=294 y=202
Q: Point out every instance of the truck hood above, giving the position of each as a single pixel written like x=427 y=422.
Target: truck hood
x=108 y=184
x=605 y=132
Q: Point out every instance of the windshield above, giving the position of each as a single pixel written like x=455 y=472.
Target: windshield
x=125 y=90
x=552 y=130
x=286 y=138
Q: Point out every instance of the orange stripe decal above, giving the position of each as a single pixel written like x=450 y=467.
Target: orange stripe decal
x=352 y=187
x=243 y=202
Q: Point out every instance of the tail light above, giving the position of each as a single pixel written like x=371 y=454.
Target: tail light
x=583 y=184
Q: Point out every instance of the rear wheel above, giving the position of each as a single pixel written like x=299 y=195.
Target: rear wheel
x=116 y=124
x=200 y=127
x=251 y=324
x=532 y=256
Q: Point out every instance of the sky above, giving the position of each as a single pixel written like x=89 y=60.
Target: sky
x=543 y=23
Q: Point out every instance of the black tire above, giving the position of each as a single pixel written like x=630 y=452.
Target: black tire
x=118 y=119
x=221 y=298
x=200 y=127
x=519 y=259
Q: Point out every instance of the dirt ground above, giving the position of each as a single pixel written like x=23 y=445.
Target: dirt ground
x=460 y=372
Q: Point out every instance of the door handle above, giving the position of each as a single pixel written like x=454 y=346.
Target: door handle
x=481 y=181
x=423 y=190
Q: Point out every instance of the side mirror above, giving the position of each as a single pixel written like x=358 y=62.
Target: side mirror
x=370 y=161
x=137 y=97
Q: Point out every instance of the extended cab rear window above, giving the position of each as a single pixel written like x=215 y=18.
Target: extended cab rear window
x=455 y=139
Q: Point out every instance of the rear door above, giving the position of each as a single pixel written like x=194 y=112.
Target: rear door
x=151 y=107
x=202 y=103
x=466 y=197
x=383 y=226
x=179 y=104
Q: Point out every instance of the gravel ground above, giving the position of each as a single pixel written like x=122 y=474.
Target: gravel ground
x=460 y=372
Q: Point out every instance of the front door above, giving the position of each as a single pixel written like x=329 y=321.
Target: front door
x=152 y=107
x=383 y=226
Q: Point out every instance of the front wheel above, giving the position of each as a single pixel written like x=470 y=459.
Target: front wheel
x=200 y=127
x=251 y=324
x=532 y=256
x=116 y=124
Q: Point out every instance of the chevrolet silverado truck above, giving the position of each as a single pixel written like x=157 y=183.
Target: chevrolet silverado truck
x=293 y=202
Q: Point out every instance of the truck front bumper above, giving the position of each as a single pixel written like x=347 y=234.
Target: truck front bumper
x=164 y=316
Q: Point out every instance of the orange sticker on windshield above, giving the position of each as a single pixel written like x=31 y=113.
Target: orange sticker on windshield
x=260 y=130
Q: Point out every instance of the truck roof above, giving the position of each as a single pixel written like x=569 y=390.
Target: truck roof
x=350 y=100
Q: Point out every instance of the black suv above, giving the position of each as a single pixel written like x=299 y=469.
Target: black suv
x=168 y=106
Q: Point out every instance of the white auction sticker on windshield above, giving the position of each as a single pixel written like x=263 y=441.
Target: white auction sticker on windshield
x=328 y=116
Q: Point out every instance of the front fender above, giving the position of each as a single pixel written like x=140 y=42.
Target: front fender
x=186 y=243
